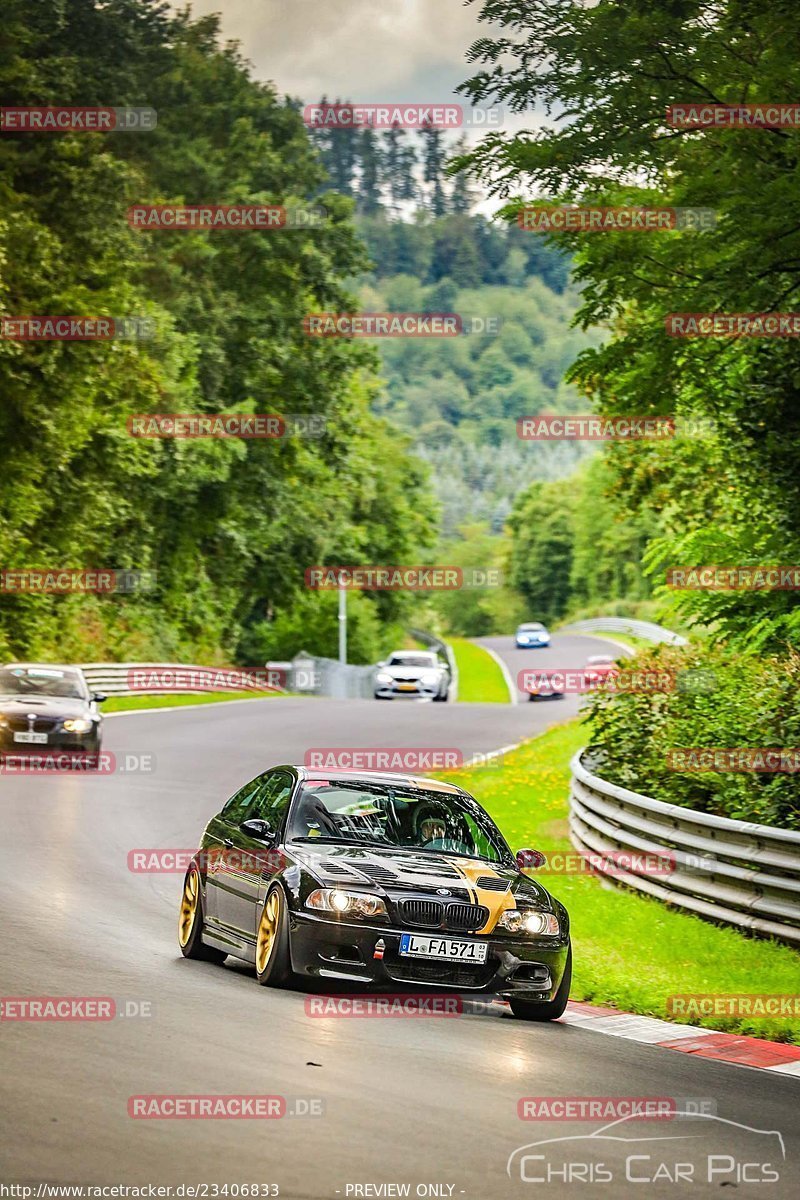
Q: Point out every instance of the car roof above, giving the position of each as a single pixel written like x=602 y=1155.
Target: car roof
x=531 y=625
x=388 y=777
x=406 y=653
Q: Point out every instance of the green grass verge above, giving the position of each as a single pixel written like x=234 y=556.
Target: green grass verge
x=480 y=680
x=630 y=952
x=127 y=703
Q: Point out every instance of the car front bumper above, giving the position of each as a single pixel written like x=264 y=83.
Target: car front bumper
x=388 y=691
x=342 y=951
x=57 y=741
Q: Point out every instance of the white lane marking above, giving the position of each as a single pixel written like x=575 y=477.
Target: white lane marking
x=636 y=1028
x=509 y=682
x=789 y=1068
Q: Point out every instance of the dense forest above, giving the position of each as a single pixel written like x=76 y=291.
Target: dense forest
x=224 y=526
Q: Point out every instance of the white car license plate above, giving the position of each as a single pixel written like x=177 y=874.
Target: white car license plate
x=31 y=739
x=447 y=949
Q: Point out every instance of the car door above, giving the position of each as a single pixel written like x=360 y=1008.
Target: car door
x=219 y=840
x=246 y=863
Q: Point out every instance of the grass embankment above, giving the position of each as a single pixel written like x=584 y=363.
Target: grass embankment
x=480 y=679
x=630 y=952
x=127 y=703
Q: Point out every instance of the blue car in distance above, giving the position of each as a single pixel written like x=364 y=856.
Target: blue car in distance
x=531 y=635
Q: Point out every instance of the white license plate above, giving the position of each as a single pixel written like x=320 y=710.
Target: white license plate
x=447 y=949
x=31 y=739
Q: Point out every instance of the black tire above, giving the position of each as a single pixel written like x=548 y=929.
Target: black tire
x=441 y=698
x=532 y=697
x=274 y=970
x=190 y=923
x=548 y=1010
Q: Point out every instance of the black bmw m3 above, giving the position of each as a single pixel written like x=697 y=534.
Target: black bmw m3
x=376 y=879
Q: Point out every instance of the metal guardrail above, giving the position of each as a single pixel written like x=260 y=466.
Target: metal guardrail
x=647 y=630
x=341 y=681
x=118 y=679
x=731 y=871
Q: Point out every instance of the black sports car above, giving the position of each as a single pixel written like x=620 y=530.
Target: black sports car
x=46 y=707
x=374 y=879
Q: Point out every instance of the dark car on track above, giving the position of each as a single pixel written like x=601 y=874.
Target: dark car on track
x=46 y=707
x=374 y=879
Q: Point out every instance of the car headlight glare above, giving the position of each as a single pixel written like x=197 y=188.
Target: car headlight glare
x=78 y=725
x=384 y=677
x=350 y=904
x=532 y=921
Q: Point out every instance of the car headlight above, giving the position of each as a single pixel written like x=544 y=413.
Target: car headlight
x=346 y=904
x=78 y=725
x=383 y=677
x=530 y=920
x=4 y=722
x=429 y=677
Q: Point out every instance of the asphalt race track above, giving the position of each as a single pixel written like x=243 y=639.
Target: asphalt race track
x=418 y=1101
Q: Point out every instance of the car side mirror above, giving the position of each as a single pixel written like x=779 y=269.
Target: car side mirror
x=530 y=859
x=99 y=697
x=256 y=828
x=380 y=664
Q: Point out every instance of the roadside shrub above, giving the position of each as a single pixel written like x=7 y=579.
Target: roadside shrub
x=722 y=700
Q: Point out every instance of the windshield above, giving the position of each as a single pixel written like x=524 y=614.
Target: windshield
x=40 y=681
x=412 y=660
x=379 y=814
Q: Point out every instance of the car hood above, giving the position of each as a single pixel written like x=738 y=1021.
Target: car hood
x=43 y=706
x=390 y=871
x=400 y=672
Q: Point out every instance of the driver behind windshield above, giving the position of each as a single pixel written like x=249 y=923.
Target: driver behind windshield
x=431 y=825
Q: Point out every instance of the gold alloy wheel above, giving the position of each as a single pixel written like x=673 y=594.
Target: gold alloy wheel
x=267 y=931
x=189 y=904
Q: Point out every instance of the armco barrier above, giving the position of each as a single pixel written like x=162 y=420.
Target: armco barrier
x=643 y=629
x=113 y=679
x=731 y=871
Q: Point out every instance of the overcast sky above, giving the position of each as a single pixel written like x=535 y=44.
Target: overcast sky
x=412 y=50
